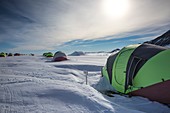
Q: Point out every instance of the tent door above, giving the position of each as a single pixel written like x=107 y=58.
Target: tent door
x=133 y=69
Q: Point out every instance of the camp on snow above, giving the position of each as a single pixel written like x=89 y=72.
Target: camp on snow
x=59 y=56
x=140 y=70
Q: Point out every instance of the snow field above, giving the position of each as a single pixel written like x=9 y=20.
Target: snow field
x=34 y=84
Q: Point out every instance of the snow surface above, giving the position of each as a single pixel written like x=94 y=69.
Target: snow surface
x=34 y=84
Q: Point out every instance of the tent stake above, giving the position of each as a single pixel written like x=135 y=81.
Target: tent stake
x=86 y=73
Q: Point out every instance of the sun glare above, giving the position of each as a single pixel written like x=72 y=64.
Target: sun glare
x=115 y=8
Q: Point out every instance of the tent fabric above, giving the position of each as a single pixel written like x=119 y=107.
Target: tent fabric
x=2 y=54
x=109 y=64
x=10 y=54
x=115 y=68
x=158 y=92
x=155 y=70
x=59 y=56
x=49 y=54
x=138 y=69
x=17 y=54
x=128 y=67
x=119 y=67
x=138 y=58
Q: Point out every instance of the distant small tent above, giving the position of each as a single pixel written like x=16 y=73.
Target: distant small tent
x=2 y=54
x=44 y=54
x=10 y=54
x=49 y=54
x=17 y=54
x=59 y=56
x=142 y=70
x=31 y=54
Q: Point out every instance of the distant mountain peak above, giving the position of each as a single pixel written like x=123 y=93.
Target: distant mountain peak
x=162 y=40
x=77 y=53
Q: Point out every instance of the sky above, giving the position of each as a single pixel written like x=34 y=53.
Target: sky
x=38 y=26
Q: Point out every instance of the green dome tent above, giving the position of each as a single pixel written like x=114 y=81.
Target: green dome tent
x=44 y=54
x=49 y=54
x=141 y=70
x=2 y=54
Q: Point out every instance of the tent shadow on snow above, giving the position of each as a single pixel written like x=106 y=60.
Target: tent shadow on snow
x=81 y=67
x=71 y=97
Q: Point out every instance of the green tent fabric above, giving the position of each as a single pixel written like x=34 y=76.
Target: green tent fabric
x=2 y=54
x=119 y=67
x=49 y=54
x=137 y=66
x=158 y=69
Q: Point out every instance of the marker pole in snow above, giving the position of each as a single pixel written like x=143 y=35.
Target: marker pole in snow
x=86 y=73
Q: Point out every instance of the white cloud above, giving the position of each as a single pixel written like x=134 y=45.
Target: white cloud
x=42 y=23
x=30 y=48
x=143 y=39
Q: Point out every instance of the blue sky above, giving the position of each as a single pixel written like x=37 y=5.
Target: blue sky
x=37 y=26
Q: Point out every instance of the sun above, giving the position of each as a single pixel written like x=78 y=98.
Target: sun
x=115 y=8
